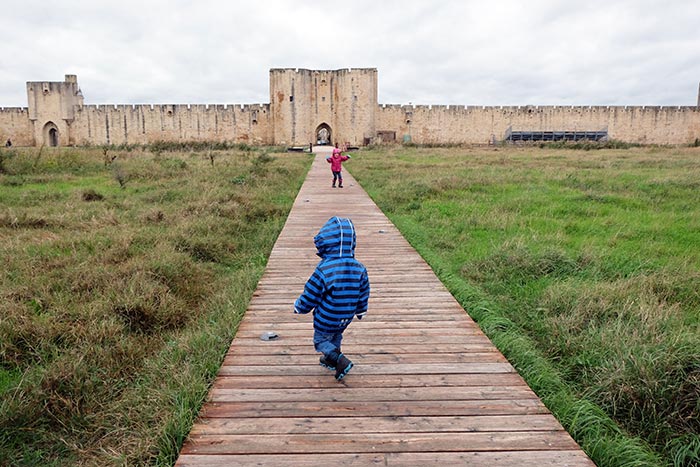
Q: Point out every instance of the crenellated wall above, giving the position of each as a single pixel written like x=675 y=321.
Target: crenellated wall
x=439 y=124
x=306 y=104
x=140 y=124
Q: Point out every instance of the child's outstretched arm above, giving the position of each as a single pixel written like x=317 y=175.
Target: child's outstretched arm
x=364 y=296
x=313 y=292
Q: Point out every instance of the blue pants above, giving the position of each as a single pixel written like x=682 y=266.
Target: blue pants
x=328 y=344
x=337 y=176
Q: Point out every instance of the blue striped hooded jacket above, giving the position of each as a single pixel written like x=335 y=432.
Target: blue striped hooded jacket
x=338 y=290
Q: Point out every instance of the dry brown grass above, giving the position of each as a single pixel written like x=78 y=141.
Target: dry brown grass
x=122 y=293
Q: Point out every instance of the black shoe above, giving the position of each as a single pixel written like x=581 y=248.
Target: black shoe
x=340 y=186
x=327 y=363
x=333 y=186
x=342 y=367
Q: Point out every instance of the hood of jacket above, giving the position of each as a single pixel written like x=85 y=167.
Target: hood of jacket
x=336 y=239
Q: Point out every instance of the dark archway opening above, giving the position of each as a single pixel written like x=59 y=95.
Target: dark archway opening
x=51 y=135
x=323 y=135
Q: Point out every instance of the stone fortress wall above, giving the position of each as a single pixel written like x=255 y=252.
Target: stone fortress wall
x=141 y=124
x=59 y=106
x=309 y=105
x=15 y=125
x=439 y=124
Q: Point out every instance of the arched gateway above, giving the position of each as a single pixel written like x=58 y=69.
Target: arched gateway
x=323 y=134
x=51 y=134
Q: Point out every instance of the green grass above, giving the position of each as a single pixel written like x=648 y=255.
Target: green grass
x=123 y=284
x=124 y=281
x=584 y=269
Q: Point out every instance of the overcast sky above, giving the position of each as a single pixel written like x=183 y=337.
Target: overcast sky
x=469 y=52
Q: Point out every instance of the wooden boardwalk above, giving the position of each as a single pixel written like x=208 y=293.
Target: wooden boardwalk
x=428 y=387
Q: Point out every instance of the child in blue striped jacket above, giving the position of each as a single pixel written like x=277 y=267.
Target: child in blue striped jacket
x=337 y=291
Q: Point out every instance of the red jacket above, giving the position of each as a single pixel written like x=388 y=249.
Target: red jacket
x=336 y=161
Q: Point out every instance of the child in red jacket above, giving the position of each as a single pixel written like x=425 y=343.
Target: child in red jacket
x=336 y=162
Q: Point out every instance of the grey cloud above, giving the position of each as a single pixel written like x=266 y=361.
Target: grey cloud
x=469 y=52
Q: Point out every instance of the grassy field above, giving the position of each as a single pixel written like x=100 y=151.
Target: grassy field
x=584 y=269
x=123 y=282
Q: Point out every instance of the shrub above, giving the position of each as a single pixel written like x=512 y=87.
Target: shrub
x=92 y=195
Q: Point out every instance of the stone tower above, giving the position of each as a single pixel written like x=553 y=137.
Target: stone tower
x=52 y=110
x=323 y=106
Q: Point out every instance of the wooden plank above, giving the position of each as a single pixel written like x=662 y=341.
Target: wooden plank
x=373 y=442
x=568 y=458
x=298 y=425
x=348 y=394
x=369 y=381
x=296 y=325
x=362 y=359
x=371 y=369
x=369 y=409
x=354 y=349
x=359 y=339
x=370 y=332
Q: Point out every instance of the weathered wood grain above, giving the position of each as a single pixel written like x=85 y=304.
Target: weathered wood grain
x=572 y=458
